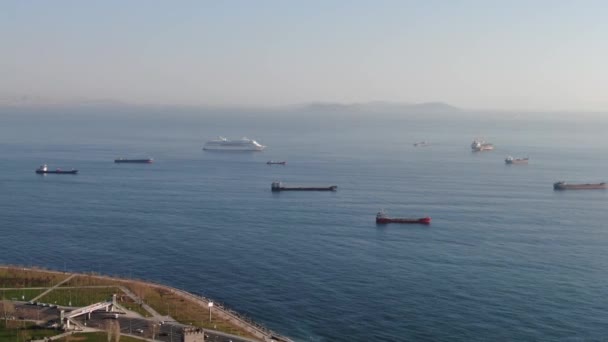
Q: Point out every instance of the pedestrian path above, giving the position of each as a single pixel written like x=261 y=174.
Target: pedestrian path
x=54 y=287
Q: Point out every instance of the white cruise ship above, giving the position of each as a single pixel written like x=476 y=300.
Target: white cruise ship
x=223 y=144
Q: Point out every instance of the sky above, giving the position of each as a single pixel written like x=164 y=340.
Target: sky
x=505 y=55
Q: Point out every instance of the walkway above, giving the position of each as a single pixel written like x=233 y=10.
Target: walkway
x=54 y=287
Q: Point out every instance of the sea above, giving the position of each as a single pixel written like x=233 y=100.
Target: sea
x=506 y=258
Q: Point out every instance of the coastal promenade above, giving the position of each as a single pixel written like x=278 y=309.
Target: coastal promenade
x=221 y=313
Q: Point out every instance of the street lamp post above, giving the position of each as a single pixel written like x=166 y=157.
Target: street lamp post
x=210 y=306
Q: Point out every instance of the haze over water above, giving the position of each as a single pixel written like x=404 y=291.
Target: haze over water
x=505 y=258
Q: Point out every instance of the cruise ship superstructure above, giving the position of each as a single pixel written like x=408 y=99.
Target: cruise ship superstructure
x=223 y=144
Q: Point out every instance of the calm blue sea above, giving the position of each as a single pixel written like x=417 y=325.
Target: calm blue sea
x=505 y=258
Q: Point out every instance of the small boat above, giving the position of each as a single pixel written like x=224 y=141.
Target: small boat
x=382 y=218
x=421 y=144
x=480 y=145
x=511 y=160
x=44 y=170
x=587 y=186
x=140 y=161
x=272 y=162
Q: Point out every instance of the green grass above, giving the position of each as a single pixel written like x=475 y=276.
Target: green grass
x=136 y=308
x=17 y=294
x=95 y=337
x=79 y=297
x=18 y=331
x=86 y=280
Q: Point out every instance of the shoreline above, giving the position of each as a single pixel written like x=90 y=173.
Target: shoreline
x=255 y=329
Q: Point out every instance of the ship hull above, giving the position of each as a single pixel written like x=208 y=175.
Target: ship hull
x=233 y=148
x=283 y=188
x=133 y=161
x=386 y=220
x=483 y=148
x=516 y=161
x=59 y=172
x=562 y=186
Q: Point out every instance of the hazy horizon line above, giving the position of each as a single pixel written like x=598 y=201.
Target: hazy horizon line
x=27 y=101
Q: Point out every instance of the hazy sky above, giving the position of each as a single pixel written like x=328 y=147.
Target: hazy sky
x=472 y=54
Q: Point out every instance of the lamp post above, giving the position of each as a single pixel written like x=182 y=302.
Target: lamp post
x=210 y=306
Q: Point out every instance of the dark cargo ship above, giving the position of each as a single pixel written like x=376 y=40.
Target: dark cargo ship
x=278 y=186
x=588 y=186
x=382 y=218
x=44 y=170
x=140 y=161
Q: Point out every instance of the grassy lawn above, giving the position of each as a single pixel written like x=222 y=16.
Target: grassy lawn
x=19 y=294
x=95 y=337
x=136 y=308
x=17 y=277
x=87 y=280
x=19 y=331
x=79 y=297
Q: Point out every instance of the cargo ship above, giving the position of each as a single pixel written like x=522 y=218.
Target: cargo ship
x=421 y=144
x=139 y=161
x=382 y=218
x=588 y=186
x=44 y=169
x=511 y=160
x=278 y=186
x=480 y=145
x=272 y=162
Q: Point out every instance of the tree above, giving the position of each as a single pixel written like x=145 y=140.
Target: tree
x=112 y=328
x=7 y=308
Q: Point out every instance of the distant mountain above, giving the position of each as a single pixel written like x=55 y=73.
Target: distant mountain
x=38 y=101
x=381 y=107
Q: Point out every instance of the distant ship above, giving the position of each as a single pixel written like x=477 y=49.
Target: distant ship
x=588 y=186
x=480 y=145
x=272 y=162
x=383 y=218
x=511 y=160
x=277 y=186
x=223 y=144
x=141 y=161
x=44 y=169
x=421 y=144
